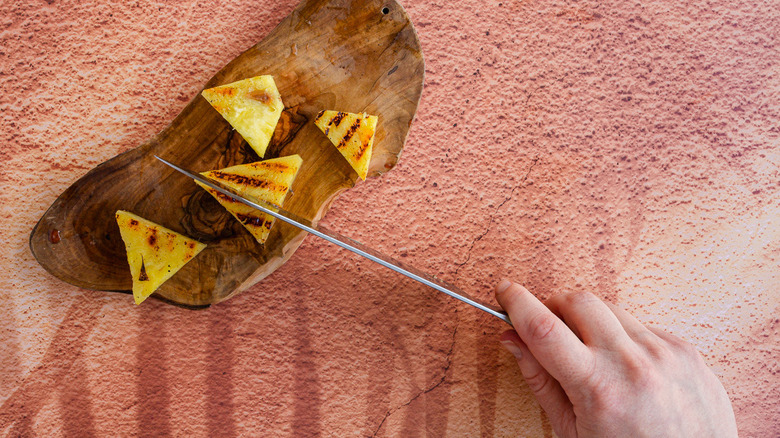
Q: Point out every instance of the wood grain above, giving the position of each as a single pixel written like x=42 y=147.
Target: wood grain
x=360 y=55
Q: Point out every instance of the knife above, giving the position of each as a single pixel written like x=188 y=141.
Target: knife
x=347 y=243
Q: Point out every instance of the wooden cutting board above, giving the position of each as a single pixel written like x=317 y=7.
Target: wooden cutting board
x=360 y=55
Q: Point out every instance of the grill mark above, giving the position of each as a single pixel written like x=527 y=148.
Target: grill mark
x=224 y=197
x=257 y=221
x=152 y=239
x=280 y=167
x=349 y=134
x=361 y=150
x=319 y=116
x=248 y=181
x=336 y=120
x=246 y=219
x=224 y=91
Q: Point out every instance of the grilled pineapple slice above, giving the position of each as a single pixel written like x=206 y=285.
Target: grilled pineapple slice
x=252 y=106
x=352 y=134
x=268 y=180
x=154 y=252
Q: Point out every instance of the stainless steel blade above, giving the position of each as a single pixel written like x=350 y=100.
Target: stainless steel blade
x=349 y=244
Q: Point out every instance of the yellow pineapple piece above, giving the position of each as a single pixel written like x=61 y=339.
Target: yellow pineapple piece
x=352 y=134
x=252 y=106
x=268 y=180
x=154 y=252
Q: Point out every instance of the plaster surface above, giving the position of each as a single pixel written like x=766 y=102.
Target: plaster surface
x=631 y=149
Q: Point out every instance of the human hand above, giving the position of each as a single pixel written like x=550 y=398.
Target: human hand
x=597 y=371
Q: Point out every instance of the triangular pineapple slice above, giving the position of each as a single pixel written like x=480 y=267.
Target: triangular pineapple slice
x=353 y=135
x=268 y=180
x=252 y=106
x=154 y=252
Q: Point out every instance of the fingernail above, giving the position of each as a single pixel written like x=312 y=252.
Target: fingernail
x=512 y=348
x=503 y=285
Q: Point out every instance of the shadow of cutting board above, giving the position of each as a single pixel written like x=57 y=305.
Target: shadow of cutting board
x=360 y=55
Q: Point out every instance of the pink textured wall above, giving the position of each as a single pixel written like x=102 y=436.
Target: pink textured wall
x=630 y=149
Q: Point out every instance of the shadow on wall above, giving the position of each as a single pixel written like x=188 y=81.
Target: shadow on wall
x=220 y=406
x=62 y=373
x=306 y=383
x=61 y=370
x=152 y=385
x=153 y=354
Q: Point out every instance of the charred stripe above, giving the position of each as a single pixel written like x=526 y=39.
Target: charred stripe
x=336 y=120
x=248 y=181
x=223 y=197
x=224 y=91
x=349 y=134
x=361 y=150
x=257 y=221
x=280 y=167
x=152 y=238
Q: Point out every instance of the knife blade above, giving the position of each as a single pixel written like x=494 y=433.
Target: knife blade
x=347 y=243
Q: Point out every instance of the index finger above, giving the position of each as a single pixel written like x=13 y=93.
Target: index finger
x=552 y=343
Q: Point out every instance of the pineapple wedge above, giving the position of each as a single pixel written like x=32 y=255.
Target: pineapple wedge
x=268 y=180
x=154 y=252
x=352 y=134
x=252 y=106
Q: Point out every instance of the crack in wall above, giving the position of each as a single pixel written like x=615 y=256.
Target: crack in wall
x=492 y=217
x=531 y=94
x=425 y=391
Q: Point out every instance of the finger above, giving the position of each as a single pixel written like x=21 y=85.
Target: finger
x=638 y=332
x=553 y=345
x=666 y=336
x=631 y=325
x=678 y=347
x=548 y=391
x=591 y=318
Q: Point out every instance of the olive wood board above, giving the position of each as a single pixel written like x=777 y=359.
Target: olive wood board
x=360 y=55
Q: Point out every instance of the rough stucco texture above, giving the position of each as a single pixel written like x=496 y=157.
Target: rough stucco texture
x=628 y=149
